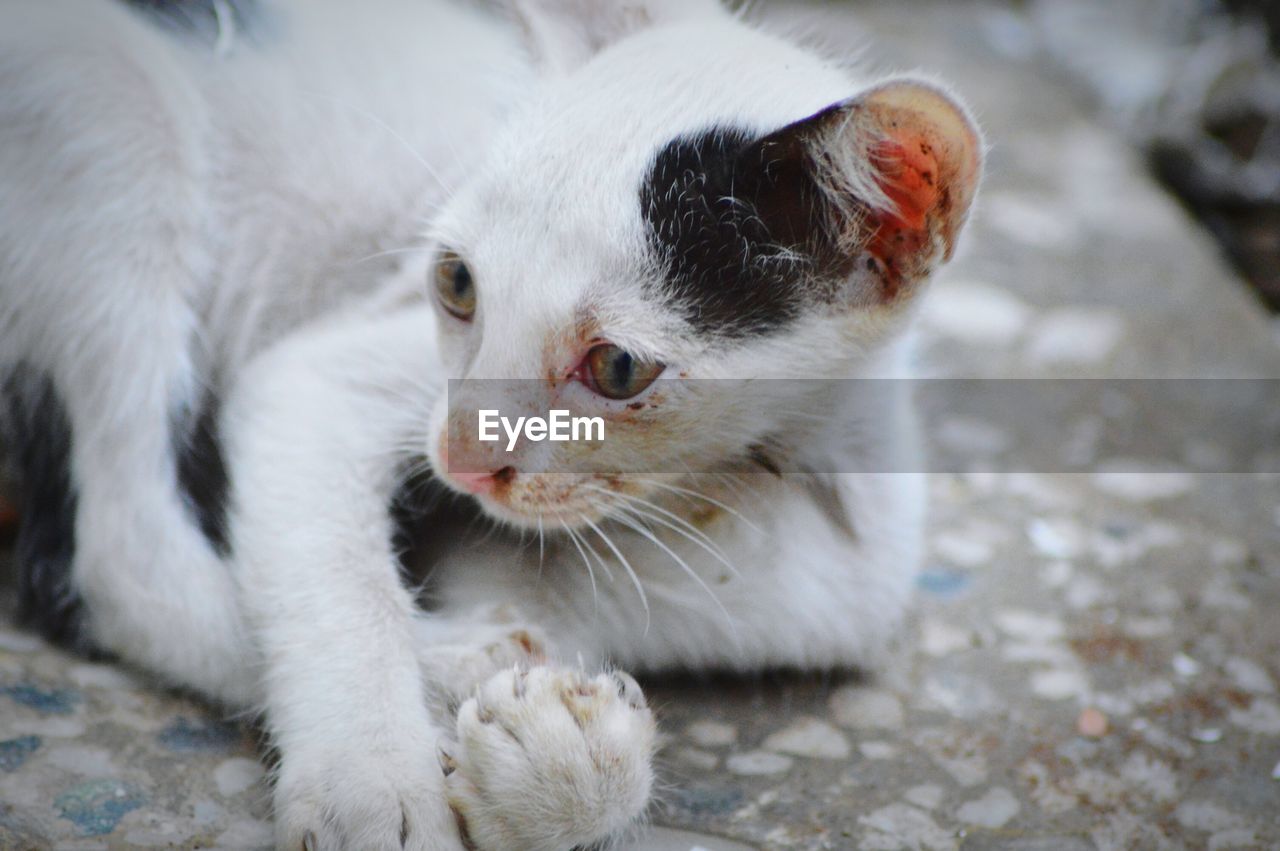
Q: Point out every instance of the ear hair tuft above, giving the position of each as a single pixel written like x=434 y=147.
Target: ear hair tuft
x=899 y=167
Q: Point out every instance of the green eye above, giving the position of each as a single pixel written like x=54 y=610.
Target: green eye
x=455 y=286
x=615 y=374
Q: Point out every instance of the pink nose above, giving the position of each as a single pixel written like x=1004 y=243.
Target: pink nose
x=484 y=483
x=481 y=482
x=477 y=483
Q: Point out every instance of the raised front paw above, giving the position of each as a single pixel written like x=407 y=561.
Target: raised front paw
x=351 y=799
x=548 y=759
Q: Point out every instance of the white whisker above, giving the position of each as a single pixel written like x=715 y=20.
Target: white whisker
x=595 y=592
x=542 y=544
x=413 y=249
x=640 y=528
x=586 y=542
x=717 y=503
x=635 y=580
x=395 y=134
x=693 y=534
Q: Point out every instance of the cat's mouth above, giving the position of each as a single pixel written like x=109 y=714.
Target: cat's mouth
x=584 y=501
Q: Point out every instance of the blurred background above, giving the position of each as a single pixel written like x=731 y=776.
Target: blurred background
x=1196 y=85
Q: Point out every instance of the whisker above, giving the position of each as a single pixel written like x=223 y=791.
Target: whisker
x=586 y=542
x=635 y=580
x=413 y=249
x=395 y=134
x=542 y=545
x=693 y=534
x=647 y=533
x=712 y=550
x=595 y=594
x=717 y=503
x=742 y=489
x=676 y=517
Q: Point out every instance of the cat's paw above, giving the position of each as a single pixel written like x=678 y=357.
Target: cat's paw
x=547 y=759
x=455 y=671
x=348 y=799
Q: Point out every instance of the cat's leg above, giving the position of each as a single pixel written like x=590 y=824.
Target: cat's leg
x=546 y=758
x=344 y=701
x=100 y=235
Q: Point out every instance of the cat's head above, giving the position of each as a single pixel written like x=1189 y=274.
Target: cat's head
x=684 y=197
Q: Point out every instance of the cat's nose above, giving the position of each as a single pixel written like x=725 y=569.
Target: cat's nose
x=484 y=483
x=471 y=470
x=477 y=483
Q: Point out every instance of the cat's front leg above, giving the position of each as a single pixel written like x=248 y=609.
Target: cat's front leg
x=345 y=703
x=330 y=617
x=346 y=656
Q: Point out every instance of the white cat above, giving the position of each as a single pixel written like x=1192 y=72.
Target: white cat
x=225 y=348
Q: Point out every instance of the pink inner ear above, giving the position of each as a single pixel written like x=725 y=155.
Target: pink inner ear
x=927 y=156
x=909 y=177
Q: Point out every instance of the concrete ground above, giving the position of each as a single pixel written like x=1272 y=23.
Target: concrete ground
x=1095 y=659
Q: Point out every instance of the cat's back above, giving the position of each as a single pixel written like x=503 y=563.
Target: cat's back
x=357 y=120
x=282 y=142
x=99 y=129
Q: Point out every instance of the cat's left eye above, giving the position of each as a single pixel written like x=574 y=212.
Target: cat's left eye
x=616 y=374
x=455 y=287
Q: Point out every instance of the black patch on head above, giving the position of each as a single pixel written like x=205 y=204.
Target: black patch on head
x=206 y=20
x=38 y=440
x=202 y=474
x=740 y=227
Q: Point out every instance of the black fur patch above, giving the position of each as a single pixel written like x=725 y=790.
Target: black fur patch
x=427 y=521
x=740 y=228
x=202 y=474
x=38 y=436
x=411 y=506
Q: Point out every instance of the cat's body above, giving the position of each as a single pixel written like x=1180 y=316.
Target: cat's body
x=222 y=372
x=264 y=187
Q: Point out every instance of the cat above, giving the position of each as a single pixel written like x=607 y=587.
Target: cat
x=243 y=247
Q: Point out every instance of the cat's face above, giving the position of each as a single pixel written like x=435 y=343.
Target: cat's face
x=696 y=201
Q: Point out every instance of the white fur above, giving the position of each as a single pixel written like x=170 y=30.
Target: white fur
x=153 y=194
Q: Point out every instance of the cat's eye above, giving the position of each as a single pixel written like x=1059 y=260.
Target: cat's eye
x=454 y=286
x=616 y=374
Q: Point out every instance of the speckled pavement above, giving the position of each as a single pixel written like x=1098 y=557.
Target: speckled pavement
x=1095 y=657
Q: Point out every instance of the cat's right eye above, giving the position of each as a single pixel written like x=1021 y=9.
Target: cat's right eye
x=617 y=374
x=455 y=287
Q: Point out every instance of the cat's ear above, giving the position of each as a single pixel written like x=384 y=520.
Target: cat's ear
x=563 y=34
x=874 y=189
